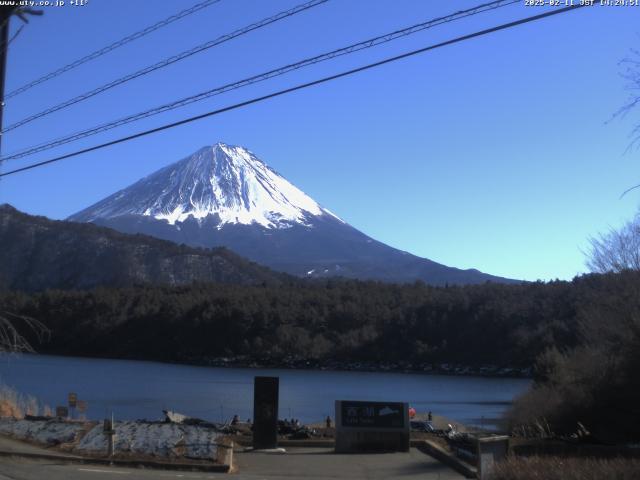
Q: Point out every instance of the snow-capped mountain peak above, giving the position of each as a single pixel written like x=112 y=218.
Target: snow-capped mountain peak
x=223 y=195
x=223 y=180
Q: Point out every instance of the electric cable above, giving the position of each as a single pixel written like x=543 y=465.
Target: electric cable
x=166 y=62
x=123 y=41
x=372 y=42
x=302 y=86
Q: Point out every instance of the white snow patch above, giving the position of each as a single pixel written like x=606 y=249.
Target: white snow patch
x=146 y=438
x=157 y=439
x=225 y=180
x=50 y=432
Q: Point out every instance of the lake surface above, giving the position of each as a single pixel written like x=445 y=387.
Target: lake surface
x=134 y=389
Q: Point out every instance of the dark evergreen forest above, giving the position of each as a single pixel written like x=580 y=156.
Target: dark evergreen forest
x=580 y=340
x=335 y=320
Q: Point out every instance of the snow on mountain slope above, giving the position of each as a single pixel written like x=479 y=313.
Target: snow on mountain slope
x=225 y=181
x=225 y=196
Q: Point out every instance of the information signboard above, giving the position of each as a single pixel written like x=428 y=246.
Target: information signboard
x=372 y=414
x=372 y=426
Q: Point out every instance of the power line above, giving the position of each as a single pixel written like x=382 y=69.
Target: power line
x=302 y=86
x=98 y=53
x=372 y=42
x=168 y=61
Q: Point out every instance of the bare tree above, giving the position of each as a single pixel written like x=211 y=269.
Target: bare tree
x=631 y=74
x=619 y=249
x=616 y=250
x=11 y=340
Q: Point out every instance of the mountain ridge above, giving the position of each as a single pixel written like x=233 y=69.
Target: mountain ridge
x=39 y=253
x=226 y=196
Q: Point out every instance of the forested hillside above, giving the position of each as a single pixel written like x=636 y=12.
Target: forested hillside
x=38 y=253
x=346 y=321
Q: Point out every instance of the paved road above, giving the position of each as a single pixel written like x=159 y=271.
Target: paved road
x=323 y=463
x=11 y=445
x=319 y=464
x=22 y=469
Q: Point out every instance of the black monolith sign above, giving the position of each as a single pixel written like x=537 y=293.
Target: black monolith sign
x=265 y=412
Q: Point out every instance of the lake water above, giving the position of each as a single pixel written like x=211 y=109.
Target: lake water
x=134 y=389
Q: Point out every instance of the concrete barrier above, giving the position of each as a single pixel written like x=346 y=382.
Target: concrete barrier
x=224 y=453
x=119 y=462
x=434 y=450
x=490 y=451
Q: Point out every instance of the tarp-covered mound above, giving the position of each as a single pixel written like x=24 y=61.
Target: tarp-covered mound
x=45 y=432
x=167 y=440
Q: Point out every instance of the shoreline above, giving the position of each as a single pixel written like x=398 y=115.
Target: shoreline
x=212 y=395
x=242 y=362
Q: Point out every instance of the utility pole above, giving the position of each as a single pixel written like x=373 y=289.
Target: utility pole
x=5 y=16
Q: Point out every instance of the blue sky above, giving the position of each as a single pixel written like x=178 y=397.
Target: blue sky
x=496 y=154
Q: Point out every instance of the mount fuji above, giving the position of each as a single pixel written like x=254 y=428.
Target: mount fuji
x=224 y=195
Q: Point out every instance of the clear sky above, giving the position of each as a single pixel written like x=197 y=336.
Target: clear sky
x=495 y=154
